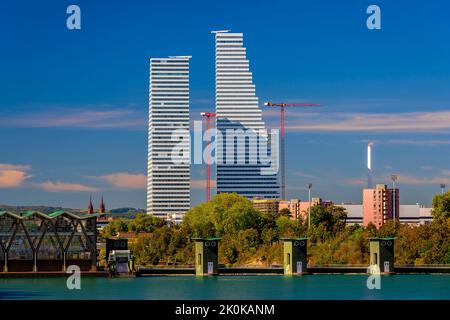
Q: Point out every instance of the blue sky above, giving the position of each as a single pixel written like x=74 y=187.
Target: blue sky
x=73 y=104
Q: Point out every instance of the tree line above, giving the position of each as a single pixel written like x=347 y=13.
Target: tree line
x=250 y=237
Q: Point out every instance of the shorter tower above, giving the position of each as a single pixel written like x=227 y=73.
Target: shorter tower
x=168 y=174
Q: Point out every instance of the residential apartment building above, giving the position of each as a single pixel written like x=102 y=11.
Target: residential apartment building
x=380 y=204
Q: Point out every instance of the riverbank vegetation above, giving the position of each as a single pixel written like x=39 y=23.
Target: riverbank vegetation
x=250 y=237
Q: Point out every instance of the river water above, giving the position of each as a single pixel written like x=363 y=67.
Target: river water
x=328 y=287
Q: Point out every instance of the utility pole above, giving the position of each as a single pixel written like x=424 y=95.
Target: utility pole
x=282 y=106
x=309 y=207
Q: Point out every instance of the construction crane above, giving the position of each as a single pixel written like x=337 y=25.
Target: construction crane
x=208 y=116
x=282 y=106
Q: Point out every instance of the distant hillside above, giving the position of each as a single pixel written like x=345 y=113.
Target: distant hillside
x=119 y=212
x=44 y=209
x=126 y=212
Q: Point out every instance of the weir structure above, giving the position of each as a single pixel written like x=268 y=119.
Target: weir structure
x=33 y=241
x=295 y=259
x=382 y=254
x=206 y=256
x=118 y=257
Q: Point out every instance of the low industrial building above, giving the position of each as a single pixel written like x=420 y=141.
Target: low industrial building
x=408 y=213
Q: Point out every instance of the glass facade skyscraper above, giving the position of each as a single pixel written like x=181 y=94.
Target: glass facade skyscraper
x=168 y=182
x=237 y=109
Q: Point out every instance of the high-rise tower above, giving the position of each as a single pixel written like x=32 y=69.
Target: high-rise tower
x=237 y=108
x=168 y=181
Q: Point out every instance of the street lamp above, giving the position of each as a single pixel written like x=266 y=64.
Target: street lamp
x=442 y=188
x=394 y=178
x=309 y=208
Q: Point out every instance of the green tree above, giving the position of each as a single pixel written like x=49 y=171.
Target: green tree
x=145 y=223
x=332 y=218
x=226 y=213
x=114 y=227
x=441 y=206
x=285 y=212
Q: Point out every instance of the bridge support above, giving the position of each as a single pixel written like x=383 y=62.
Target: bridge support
x=5 y=266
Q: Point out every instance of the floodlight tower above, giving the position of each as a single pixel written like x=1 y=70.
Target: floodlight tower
x=394 y=178
x=309 y=207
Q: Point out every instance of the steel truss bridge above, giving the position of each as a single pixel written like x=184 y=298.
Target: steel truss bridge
x=36 y=241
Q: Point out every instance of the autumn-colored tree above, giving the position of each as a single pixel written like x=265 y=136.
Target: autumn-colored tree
x=249 y=236
x=441 y=206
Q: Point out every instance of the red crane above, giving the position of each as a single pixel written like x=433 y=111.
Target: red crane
x=282 y=106
x=208 y=116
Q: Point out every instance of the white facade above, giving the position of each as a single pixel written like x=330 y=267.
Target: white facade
x=237 y=107
x=168 y=181
x=409 y=213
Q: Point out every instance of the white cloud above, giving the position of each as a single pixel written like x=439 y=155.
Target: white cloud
x=125 y=180
x=368 y=122
x=442 y=176
x=76 y=118
x=13 y=176
x=65 y=187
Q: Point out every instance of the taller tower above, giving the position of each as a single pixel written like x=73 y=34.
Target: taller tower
x=237 y=108
x=168 y=174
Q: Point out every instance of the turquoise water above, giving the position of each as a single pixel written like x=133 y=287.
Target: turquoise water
x=334 y=287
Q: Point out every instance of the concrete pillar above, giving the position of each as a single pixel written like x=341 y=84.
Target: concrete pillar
x=94 y=260
x=64 y=261
x=5 y=267
x=295 y=258
x=206 y=256
x=35 y=268
x=382 y=254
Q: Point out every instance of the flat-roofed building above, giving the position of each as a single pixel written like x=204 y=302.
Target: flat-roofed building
x=266 y=206
x=168 y=174
x=354 y=213
x=409 y=213
x=380 y=204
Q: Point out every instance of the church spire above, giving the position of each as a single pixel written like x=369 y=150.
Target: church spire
x=90 y=209
x=102 y=208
